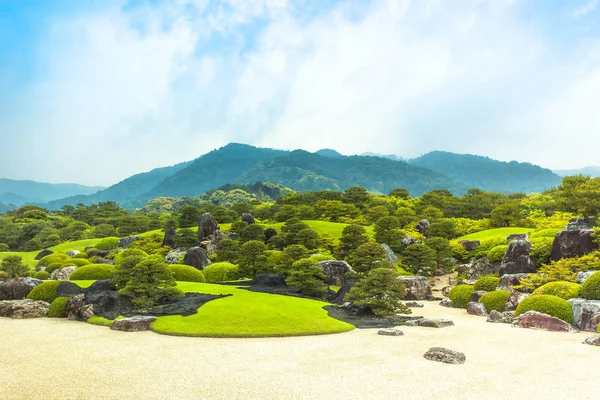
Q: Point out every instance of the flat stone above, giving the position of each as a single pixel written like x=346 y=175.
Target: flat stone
x=24 y=308
x=506 y=317
x=390 y=332
x=446 y=356
x=593 y=340
x=430 y=323
x=446 y=302
x=538 y=320
x=413 y=304
x=133 y=324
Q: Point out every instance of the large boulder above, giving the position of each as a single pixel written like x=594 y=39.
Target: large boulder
x=207 y=226
x=95 y=301
x=174 y=255
x=64 y=273
x=417 y=287
x=508 y=280
x=538 y=320
x=248 y=218
x=516 y=259
x=470 y=245
x=514 y=299
x=391 y=256
x=476 y=309
x=196 y=258
x=422 y=226
x=339 y=296
x=18 y=288
x=270 y=280
x=169 y=238
x=481 y=267
x=68 y=289
x=133 y=324
x=24 y=308
x=125 y=242
x=78 y=309
x=586 y=314
x=575 y=240
x=43 y=254
x=335 y=271
x=446 y=356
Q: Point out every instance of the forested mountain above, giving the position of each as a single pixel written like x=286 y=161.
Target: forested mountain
x=592 y=171
x=20 y=192
x=488 y=174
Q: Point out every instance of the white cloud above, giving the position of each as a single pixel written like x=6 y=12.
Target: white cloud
x=586 y=8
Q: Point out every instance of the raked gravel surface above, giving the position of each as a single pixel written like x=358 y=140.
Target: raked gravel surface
x=60 y=359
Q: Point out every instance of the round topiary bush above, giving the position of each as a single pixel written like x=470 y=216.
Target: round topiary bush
x=495 y=300
x=563 y=289
x=83 y=254
x=53 y=266
x=128 y=253
x=92 y=272
x=108 y=243
x=461 y=295
x=78 y=262
x=547 y=304
x=47 y=291
x=185 y=273
x=591 y=287
x=51 y=259
x=221 y=271
x=487 y=283
x=496 y=254
x=58 y=308
x=43 y=275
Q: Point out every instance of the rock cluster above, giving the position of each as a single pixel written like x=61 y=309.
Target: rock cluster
x=516 y=259
x=417 y=287
x=24 y=308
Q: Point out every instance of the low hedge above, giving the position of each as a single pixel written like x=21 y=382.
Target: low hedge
x=43 y=275
x=47 y=291
x=92 y=272
x=108 y=243
x=461 y=295
x=547 y=304
x=495 y=300
x=78 y=262
x=563 y=289
x=591 y=287
x=58 y=308
x=487 y=283
x=83 y=254
x=221 y=271
x=185 y=273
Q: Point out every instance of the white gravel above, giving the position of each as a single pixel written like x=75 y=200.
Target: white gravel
x=59 y=359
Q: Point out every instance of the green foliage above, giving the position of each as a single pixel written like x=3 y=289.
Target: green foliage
x=4 y=247
x=591 y=287
x=445 y=228
x=43 y=275
x=186 y=238
x=506 y=214
x=221 y=272
x=129 y=253
x=583 y=263
x=52 y=258
x=291 y=254
x=486 y=283
x=124 y=268
x=368 y=256
x=108 y=243
x=541 y=250
x=579 y=195
x=381 y=291
x=13 y=267
x=228 y=250
x=78 y=262
x=496 y=254
x=83 y=254
x=58 y=308
x=308 y=276
x=419 y=259
x=149 y=282
x=563 y=289
x=92 y=272
x=47 y=291
x=557 y=271
x=252 y=259
x=461 y=295
x=495 y=300
x=441 y=246
x=352 y=237
x=547 y=304
x=33 y=244
x=53 y=266
x=185 y=273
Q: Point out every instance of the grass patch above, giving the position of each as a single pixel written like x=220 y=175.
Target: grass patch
x=497 y=233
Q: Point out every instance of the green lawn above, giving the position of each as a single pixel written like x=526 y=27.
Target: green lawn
x=245 y=314
x=28 y=256
x=333 y=229
x=497 y=233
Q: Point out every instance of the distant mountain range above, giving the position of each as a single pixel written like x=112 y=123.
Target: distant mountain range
x=593 y=171
x=19 y=192
x=325 y=169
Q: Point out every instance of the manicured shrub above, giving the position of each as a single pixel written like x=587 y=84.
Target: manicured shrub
x=78 y=262
x=13 y=267
x=58 y=308
x=4 y=247
x=185 y=273
x=43 y=275
x=461 y=295
x=488 y=283
x=83 y=254
x=108 y=243
x=497 y=253
x=564 y=290
x=221 y=271
x=150 y=282
x=51 y=259
x=92 y=272
x=381 y=291
x=547 y=304
x=495 y=300
x=53 y=266
x=541 y=250
x=128 y=253
x=308 y=276
x=47 y=291
x=591 y=287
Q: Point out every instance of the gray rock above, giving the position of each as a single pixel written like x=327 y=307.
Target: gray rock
x=508 y=280
x=68 y=289
x=43 y=254
x=335 y=271
x=446 y=302
x=514 y=299
x=481 y=267
x=196 y=258
x=447 y=356
x=477 y=295
x=517 y=236
x=476 y=309
x=422 y=226
x=207 y=226
x=18 y=288
x=73 y=253
x=586 y=314
x=430 y=323
x=101 y=260
x=407 y=241
x=64 y=273
x=538 y=320
x=583 y=276
x=248 y=218
x=470 y=245
x=24 y=308
x=78 y=309
x=417 y=287
x=391 y=256
x=99 y=253
x=174 y=255
x=133 y=324
x=169 y=238
x=506 y=317
x=413 y=304
x=125 y=242
x=516 y=259
x=575 y=240
x=269 y=233
x=390 y=332
x=593 y=340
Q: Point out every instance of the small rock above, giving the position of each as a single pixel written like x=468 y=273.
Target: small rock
x=445 y=355
x=476 y=309
x=506 y=317
x=470 y=245
x=391 y=256
x=446 y=290
x=422 y=226
x=64 y=273
x=514 y=299
x=390 y=332
x=73 y=253
x=413 y=304
x=248 y=218
x=174 y=255
x=477 y=295
x=538 y=320
x=508 y=280
x=43 y=254
x=133 y=324
x=430 y=323
x=593 y=340
x=446 y=302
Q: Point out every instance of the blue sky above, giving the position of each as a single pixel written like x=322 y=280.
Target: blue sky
x=95 y=91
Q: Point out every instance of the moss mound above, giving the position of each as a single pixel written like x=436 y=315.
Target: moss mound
x=185 y=273
x=495 y=300
x=92 y=272
x=78 y=262
x=53 y=267
x=58 y=308
x=591 y=288
x=47 y=291
x=461 y=295
x=547 y=304
x=563 y=289
x=487 y=283
x=108 y=243
x=221 y=271
x=43 y=275
x=128 y=253
x=51 y=259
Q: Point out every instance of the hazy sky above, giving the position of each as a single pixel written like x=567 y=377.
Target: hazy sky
x=95 y=91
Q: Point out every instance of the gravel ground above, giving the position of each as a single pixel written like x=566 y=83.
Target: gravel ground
x=59 y=359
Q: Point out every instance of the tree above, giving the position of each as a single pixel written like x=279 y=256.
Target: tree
x=186 y=238
x=445 y=228
x=308 y=276
x=381 y=291
x=189 y=216
x=291 y=254
x=124 y=269
x=505 y=215
x=419 y=259
x=228 y=250
x=399 y=193
x=333 y=210
x=33 y=244
x=150 y=282
x=356 y=195
x=384 y=226
x=352 y=236
x=13 y=267
x=252 y=258
x=104 y=230
x=368 y=256
x=405 y=215
x=308 y=238
x=252 y=232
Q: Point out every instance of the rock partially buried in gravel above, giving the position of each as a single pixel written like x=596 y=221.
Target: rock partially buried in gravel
x=24 y=308
x=447 y=356
x=430 y=323
x=593 y=340
x=446 y=302
x=413 y=304
x=538 y=320
x=64 y=274
x=133 y=324
x=506 y=317
x=476 y=309
x=390 y=332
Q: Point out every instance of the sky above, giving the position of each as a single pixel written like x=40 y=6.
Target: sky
x=95 y=91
